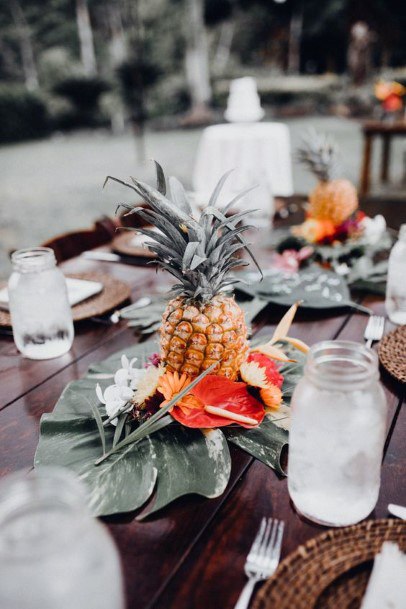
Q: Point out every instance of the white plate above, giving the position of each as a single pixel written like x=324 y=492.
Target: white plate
x=78 y=290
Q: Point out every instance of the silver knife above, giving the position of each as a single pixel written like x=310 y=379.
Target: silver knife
x=397 y=510
x=102 y=256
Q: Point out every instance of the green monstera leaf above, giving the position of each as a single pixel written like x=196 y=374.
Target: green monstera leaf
x=169 y=463
x=121 y=484
x=177 y=461
x=174 y=461
x=315 y=287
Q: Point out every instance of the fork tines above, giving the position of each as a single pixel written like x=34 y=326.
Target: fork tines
x=268 y=541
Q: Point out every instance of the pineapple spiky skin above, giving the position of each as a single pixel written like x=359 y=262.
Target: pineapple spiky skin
x=334 y=200
x=193 y=337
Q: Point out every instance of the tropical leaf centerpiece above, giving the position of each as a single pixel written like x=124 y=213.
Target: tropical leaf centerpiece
x=158 y=423
x=335 y=228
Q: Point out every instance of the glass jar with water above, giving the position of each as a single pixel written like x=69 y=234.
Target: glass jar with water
x=40 y=313
x=53 y=554
x=337 y=434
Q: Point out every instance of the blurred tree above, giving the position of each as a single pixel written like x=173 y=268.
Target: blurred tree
x=85 y=33
x=117 y=42
x=222 y=13
x=26 y=49
x=197 y=63
x=295 y=37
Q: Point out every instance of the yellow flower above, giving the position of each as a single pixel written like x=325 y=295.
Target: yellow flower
x=254 y=375
x=271 y=396
x=148 y=384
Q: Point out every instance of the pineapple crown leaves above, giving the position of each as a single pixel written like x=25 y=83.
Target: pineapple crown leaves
x=320 y=154
x=200 y=254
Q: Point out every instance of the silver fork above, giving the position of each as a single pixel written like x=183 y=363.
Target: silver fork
x=374 y=329
x=263 y=558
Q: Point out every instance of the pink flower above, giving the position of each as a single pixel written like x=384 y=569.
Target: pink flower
x=290 y=260
x=154 y=360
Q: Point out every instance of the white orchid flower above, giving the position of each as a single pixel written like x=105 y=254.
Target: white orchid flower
x=128 y=374
x=115 y=398
x=374 y=228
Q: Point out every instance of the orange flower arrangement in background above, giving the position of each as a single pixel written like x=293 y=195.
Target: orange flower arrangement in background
x=390 y=95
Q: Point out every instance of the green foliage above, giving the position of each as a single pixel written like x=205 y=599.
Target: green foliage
x=84 y=95
x=170 y=96
x=23 y=114
x=170 y=463
x=55 y=65
x=135 y=77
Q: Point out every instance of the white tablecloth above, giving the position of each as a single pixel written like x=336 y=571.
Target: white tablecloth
x=259 y=152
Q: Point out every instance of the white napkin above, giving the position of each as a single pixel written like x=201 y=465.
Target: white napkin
x=78 y=290
x=387 y=584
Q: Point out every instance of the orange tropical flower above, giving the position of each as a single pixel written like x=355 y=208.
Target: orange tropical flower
x=271 y=396
x=172 y=383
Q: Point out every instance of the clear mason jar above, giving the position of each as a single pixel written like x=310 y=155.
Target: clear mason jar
x=337 y=434
x=53 y=554
x=40 y=313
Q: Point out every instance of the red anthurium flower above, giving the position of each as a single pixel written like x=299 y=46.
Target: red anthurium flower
x=216 y=402
x=271 y=371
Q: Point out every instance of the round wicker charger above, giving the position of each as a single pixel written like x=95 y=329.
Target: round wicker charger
x=122 y=244
x=392 y=353
x=330 y=571
x=114 y=292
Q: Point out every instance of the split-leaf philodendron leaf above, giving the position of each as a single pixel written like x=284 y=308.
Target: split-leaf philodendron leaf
x=168 y=464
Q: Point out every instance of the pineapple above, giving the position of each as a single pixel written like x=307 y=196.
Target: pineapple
x=333 y=199
x=202 y=324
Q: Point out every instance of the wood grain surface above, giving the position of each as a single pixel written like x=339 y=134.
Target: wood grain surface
x=191 y=555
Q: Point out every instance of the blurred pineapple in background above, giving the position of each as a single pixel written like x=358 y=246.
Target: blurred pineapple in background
x=334 y=199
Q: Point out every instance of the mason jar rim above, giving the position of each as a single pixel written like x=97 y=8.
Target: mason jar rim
x=341 y=362
x=33 y=259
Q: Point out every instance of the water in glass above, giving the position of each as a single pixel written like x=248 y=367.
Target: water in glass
x=39 y=307
x=396 y=284
x=53 y=554
x=337 y=434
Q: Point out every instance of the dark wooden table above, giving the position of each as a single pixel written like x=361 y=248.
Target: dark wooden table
x=386 y=131
x=191 y=556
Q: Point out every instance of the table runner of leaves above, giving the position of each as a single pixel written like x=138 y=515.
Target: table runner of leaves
x=169 y=463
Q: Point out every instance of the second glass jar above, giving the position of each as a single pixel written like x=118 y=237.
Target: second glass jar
x=337 y=434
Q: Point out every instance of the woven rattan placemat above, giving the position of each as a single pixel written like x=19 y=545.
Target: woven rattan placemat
x=114 y=292
x=392 y=353
x=330 y=571
x=122 y=245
